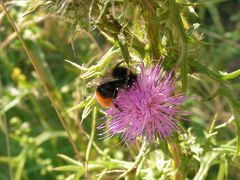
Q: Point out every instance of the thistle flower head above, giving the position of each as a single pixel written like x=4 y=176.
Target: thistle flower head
x=148 y=109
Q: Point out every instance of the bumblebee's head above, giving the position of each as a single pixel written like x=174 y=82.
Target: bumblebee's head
x=126 y=77
x=120 y=72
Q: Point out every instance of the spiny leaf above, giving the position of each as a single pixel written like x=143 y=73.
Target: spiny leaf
x=88 y=108
x=81 y=105
x=98 y=69
x=76 y=65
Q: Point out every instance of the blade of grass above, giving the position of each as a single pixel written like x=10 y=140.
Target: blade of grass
x=215 y=17
x=5 y=129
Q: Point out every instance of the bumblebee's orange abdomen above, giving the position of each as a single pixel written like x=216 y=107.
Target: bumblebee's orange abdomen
x=104 y=102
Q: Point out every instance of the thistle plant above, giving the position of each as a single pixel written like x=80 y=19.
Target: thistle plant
x=174 y=122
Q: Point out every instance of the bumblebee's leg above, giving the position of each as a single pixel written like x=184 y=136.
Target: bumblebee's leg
x=115 y=92
x=116 y=106
x=114 y=96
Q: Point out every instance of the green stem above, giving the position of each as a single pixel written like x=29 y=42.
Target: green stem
x=21 y=163
x=93 y=127
x=184 y=66
x=152 y=27
x=176 y=20
x=231 y=75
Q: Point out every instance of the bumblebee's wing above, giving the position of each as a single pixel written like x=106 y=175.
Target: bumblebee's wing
x=100 y=81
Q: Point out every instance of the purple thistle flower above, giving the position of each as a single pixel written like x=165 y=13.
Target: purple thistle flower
x=148 y=109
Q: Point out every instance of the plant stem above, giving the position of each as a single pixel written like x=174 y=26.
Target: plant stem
x=93 y=127
x=231 y=75
x=176 y=20
x=176 y=153
x=152 y=27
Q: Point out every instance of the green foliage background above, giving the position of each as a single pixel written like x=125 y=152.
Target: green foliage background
x=201 y=39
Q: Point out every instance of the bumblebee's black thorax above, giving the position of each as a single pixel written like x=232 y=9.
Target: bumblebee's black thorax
x=125 y=79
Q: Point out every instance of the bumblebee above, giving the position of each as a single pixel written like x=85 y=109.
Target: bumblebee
x=108 y=87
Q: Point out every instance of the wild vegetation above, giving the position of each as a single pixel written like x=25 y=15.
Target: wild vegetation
x=49 y=120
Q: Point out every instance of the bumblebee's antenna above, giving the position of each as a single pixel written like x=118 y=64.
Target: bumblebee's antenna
x=123 y=61
x=119 y=63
